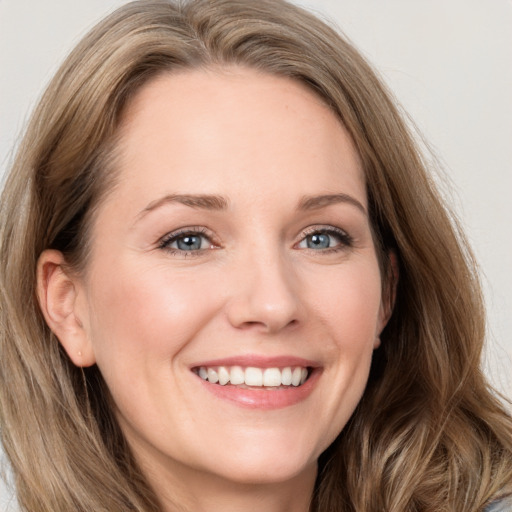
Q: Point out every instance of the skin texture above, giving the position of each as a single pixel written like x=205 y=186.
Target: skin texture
x=147 y=312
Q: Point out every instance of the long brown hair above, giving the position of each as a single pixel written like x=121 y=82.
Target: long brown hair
x=428 y=435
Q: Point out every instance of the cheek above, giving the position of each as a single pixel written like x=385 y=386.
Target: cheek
x=350 y=305
x=142 y=314
x=349 y=312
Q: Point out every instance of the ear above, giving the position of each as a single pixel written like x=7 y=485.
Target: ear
x=388 y=295
x=58 y=293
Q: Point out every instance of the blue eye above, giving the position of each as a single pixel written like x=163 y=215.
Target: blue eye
x=319 y=241
x=322 y=239
x=186 y=241
x=189 y=242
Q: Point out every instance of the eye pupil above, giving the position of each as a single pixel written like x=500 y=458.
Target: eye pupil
x=318 y=241
x=189 y=242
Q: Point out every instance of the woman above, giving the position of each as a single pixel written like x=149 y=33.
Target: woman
x=228 y=282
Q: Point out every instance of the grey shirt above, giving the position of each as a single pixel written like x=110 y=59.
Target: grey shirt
x=504 y=505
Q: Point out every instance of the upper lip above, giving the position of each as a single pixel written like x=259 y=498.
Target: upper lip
x=259 y=361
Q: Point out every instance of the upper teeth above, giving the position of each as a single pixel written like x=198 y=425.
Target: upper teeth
x=252 y=376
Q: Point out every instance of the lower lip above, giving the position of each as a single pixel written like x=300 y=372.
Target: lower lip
x=262 y=398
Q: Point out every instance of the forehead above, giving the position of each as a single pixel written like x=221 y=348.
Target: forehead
x=216 y=129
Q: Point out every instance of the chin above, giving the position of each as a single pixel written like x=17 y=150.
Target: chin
x=271 y=462
x=269 y=471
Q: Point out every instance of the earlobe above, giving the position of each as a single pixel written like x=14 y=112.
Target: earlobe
x=57 y=292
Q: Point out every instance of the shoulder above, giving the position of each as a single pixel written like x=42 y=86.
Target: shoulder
x=503 y=505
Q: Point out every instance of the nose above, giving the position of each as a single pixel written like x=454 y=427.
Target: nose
x=264 y=295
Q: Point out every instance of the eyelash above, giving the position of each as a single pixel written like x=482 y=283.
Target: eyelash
x=169 y=238
x=345 y=240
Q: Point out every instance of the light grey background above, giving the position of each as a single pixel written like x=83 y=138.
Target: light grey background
x=449 y=62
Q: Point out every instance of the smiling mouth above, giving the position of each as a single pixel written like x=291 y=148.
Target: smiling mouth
x=251 y=377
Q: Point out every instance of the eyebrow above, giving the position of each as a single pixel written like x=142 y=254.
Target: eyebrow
x=317 y=202
x=199 y=201
x=218 y=203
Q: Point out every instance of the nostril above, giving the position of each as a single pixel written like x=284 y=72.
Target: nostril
x=262 y=303
x=267 y=326
x=253 y=325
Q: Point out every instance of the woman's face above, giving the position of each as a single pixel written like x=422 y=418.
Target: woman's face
x=236 y=244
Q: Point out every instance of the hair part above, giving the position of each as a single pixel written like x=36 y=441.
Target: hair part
x=428 y=433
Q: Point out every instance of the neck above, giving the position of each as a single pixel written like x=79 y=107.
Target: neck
x=189 y=490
